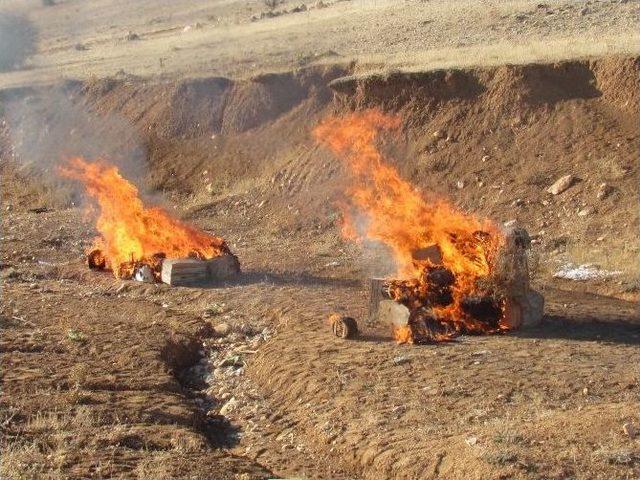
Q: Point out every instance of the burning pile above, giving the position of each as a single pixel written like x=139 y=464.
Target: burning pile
x=135 y=240
x=456 y=274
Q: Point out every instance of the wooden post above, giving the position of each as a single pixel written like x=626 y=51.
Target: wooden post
x=376 y=295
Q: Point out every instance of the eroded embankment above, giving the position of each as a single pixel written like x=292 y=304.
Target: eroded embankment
x=492 y=140
x=239 y=155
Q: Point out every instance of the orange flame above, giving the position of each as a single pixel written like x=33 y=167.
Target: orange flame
x=131 y=232
x=400 y=216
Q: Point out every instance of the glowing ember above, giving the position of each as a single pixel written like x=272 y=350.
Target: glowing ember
x=442 y=288
x=132 y=235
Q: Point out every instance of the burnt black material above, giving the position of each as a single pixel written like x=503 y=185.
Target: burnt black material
x=483 y=309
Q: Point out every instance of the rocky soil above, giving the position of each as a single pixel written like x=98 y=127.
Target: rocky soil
x=104 y=378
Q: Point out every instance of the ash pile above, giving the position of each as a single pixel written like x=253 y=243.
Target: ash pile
x=440 y=305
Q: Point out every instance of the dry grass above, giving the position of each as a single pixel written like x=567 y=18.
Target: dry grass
x=542 y=51
x=40 y=447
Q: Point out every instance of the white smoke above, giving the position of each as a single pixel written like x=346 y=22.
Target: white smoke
x=49 y=125
x=377 y=258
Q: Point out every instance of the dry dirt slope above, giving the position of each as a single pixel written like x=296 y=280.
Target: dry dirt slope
x=504 y=133
x=237 y=158
x=84 y=39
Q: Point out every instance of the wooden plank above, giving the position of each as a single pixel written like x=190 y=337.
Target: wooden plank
x=376 y=295
x=191 y=271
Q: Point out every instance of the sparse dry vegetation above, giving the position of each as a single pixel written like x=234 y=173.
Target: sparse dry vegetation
x=94 y=385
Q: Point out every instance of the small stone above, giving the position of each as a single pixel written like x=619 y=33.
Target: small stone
x=562 y=184
x=585 y=391
x=399 y=360
x=229 y=407
x=485 y=158
x=604 y=191
x=460 y=184
x=438 y=134
x=630 y=430
x=585 y=211
x=480 y=353
x=471 y=441
x=222 y=329
x=509 y=223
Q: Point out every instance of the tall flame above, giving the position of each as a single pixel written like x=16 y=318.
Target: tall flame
x=400 y=216
x=129 y=231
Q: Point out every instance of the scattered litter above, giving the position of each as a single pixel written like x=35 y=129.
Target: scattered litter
x=587 y=271
x=144 y=274
x=399 y=360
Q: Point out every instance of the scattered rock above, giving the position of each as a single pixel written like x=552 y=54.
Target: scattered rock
x=630 y=430
x=438 y=134
x=222 y=329
x=401 y=359
x=471 y=441
x=229 y=407
x=562 y=184
x=585 y=211
x=10 y=273
x=460 y=184
x=604 y=191
x=132 y=36
x=480 y=353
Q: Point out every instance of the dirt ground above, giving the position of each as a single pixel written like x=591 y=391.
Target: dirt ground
x=80 y=39
x=104 y=378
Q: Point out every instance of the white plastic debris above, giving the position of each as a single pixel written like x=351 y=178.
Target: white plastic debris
x=144 y=274
x=587 y=271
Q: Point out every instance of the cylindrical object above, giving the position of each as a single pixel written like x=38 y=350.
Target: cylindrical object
x=343 y=327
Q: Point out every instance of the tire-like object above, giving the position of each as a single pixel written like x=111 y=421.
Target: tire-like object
x=344 y=327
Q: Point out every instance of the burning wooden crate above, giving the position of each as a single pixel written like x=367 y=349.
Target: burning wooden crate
x=438 y=305
x=192 y=271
